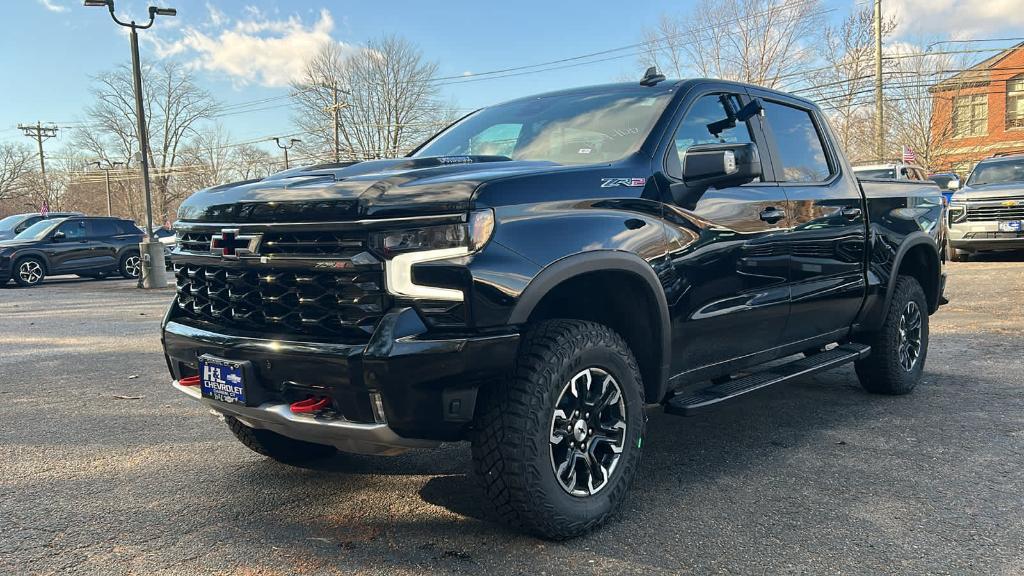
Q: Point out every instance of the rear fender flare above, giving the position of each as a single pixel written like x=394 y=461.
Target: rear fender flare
x=913 y=239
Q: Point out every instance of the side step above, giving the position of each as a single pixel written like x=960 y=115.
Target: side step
x=687 y=405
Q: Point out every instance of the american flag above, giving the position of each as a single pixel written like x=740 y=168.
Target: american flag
x=45 y=208
x=908 y=155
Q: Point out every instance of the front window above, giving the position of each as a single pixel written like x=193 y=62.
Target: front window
x=1015 y=102
x=565 y=128
x=998 y=172
x=970 y=115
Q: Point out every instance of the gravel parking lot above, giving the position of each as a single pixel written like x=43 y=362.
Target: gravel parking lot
x=104 y=469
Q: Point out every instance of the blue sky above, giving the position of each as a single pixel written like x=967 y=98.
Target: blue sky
x=244 y=51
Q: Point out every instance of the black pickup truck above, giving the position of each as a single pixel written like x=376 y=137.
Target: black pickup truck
x=538 y=274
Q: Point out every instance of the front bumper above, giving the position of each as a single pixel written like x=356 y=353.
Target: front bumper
x=983 y=235
x=401 y=389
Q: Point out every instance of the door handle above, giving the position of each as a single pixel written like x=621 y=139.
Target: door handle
x=772 y=215
x=851 y=212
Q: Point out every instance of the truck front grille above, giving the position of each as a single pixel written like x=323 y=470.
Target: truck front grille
x=344 y=304
x=988 y=213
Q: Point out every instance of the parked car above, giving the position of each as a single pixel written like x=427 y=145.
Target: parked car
x=91 y=247
x=616 y=248
x=890 y=171
x=948 y=182
x=988 y=212
x=13 y=225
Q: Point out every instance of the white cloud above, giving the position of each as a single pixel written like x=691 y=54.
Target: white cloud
x=254 y=49
x=53 y=6
x=955 y=18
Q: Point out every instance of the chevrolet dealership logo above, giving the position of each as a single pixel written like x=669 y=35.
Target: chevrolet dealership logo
x=230 y=244
x=1009 y=203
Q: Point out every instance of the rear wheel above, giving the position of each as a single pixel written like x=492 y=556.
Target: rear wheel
x=557 y=445
x=900 y=347
x=131 y=265
x=273 y=445
x=29 y=271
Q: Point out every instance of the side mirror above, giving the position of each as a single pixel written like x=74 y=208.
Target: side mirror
x=59 y=236
x=953 y=185
x=720 y=165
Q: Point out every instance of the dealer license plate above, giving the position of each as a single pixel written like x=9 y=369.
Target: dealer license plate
x=222 y=380
x=1011 y=225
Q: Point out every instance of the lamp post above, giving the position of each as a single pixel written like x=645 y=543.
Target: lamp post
x=291 y=143
x=106 y=173
x=152 y=251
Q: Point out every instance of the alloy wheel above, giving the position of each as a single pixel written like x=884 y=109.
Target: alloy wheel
x=30 y=271
x=910 y=336
x=588 y=432
x=132 y=266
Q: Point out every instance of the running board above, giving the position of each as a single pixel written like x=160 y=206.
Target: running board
x=681 y=405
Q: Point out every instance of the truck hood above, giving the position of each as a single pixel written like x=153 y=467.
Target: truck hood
x=372 y=189
x=1010 y=190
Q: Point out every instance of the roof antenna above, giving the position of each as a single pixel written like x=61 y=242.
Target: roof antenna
x=651 y=77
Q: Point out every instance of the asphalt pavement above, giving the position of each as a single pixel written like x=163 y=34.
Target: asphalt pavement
x=105 y=469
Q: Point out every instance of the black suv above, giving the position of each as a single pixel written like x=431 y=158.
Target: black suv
x=534 y=277
x=91 y=247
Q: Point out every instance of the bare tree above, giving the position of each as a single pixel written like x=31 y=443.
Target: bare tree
x=249 y=162
x=175 y=107
x=386 y=100
x=17 y=163
x=758 y=41
x=846 y=74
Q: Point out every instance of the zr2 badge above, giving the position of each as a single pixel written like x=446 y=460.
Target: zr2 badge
x=613 y=182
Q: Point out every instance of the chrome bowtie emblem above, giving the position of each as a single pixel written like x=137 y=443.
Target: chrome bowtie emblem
x=230 y=244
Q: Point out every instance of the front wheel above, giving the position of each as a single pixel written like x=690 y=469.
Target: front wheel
x=900 y=347
x=558 y=443
x=29 y=271
x=131 y=265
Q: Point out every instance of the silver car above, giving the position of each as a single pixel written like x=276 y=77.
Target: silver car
x=988 y=213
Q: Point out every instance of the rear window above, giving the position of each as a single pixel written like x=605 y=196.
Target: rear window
x=103 y=228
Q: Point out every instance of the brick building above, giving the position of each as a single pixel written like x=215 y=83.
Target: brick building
x=979 y=112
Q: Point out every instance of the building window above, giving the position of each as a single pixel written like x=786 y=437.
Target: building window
x=970 y=115
x=1015 y=102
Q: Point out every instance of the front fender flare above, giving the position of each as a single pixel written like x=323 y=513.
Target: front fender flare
x=606 y=261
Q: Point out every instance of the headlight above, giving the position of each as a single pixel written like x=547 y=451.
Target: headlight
x=471 y=235
x=404 y=248
x=957 y=212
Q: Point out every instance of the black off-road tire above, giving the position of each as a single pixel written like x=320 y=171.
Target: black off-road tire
x=38 y=265
x=130 y=265
x=273 y=445
x=882 y=371
x=512 y=455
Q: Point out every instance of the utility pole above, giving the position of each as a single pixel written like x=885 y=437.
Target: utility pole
x=335 y=108
x=291 y=143
x=106 y=173
x=40 y=133
x=879 y=108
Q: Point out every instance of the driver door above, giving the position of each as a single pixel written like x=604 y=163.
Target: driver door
x=729 y=248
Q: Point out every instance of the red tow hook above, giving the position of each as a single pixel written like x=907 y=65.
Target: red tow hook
x=189 y=381
x=310 y=405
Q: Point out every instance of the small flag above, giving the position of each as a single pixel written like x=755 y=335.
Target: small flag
x=908 y=155
x=45 y=208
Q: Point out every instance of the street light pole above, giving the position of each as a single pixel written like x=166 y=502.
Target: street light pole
x=152 y=251
x=106 y=174
x=291 y=143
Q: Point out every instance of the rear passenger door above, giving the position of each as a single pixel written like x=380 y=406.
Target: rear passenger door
x=102 y=235
x=827 y=225
x=70 y=248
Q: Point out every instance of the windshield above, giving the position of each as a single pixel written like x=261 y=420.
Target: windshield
x=876 y=174
x=37 y=231
x=567 y=129
x=1000 y=172
x=10 y=222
